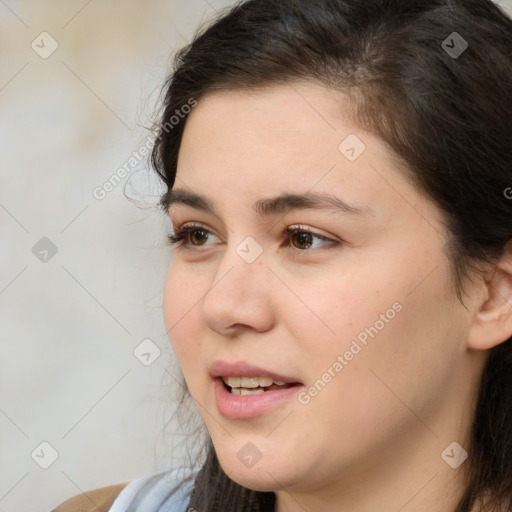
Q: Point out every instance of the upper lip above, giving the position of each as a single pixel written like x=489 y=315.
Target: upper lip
x=221 y=368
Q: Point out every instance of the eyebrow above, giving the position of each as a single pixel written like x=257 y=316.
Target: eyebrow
x=277 y=205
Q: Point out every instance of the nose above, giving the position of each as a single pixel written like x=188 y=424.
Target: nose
x=239 y=296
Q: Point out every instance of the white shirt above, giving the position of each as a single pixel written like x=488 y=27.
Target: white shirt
x=154 y=489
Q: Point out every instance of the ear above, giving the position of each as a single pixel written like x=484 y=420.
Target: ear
x=492 y=323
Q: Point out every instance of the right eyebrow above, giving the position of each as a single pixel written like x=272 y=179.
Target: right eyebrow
x=277 y=205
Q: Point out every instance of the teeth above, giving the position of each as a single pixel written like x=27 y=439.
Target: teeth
x=250 y=382
x=233 y=382
x=243 y=391
x=251 y=391
x=254 y=382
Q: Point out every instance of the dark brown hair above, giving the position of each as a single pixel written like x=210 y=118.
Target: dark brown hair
x=447 y=118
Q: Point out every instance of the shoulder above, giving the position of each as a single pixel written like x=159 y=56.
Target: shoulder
x=167 y=489
x=92 y=501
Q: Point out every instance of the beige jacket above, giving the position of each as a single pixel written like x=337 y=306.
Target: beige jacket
x=97 y=500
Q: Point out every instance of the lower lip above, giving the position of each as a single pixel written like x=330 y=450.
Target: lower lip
x=237 y=407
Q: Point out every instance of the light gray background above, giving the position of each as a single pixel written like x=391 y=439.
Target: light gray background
x=70 y=325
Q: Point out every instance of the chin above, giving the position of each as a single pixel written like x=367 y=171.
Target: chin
x=264 y=475
x=257 y=482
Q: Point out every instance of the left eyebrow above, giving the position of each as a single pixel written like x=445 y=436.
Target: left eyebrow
x=277 y=205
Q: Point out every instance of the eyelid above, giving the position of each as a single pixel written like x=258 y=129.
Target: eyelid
x=192 y=226
x=187 y=227
x=300 y=227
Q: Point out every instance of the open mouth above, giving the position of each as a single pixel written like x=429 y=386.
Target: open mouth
x=235 y=396
x=254 y=385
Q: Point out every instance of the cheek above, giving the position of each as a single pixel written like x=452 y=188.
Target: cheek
x=180 y=317
x=339 y=309
x=387 y=324
x=396 y=355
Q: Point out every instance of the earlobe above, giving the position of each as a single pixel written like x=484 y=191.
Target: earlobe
x=492 y=323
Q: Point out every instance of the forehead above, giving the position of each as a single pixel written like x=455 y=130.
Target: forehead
x=283 y=128
x=246 y=145
x=289 y=111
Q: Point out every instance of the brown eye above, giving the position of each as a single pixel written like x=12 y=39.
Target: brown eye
x=303 y=239
x=189 y=235
x=202 y=237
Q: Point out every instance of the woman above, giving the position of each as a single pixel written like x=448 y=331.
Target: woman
x=339 y=181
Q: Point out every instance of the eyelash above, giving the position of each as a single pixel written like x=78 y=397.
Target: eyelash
x=181 y=233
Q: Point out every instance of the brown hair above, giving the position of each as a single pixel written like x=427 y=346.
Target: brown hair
x=446 y=116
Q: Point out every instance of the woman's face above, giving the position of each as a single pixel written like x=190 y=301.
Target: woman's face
x=364 y=320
